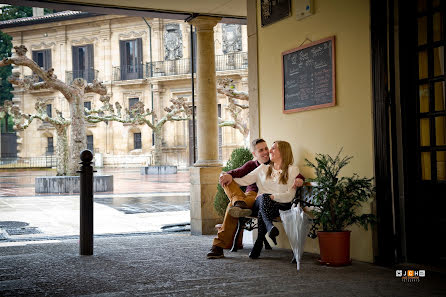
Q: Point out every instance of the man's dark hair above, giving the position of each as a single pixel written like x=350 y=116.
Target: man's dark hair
x=256 y=142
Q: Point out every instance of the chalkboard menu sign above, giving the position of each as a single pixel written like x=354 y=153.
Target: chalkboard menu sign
x=309 y=76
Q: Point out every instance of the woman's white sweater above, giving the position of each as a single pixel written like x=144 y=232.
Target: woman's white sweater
x=282 y=193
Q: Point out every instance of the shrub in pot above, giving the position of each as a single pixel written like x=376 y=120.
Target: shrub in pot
x=239 y=156
x=336 y=201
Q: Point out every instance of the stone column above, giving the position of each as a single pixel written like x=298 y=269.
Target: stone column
x=204 y=174
x=207 y=117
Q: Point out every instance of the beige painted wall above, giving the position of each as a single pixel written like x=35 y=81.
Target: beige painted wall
x=349 y=123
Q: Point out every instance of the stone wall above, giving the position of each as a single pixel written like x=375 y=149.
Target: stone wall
x=115 y=140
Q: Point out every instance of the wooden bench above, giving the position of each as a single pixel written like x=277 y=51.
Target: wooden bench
x=303 y=196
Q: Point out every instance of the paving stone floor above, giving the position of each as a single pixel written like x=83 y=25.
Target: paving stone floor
x=18 y=182
x=175 y=265
x=144 y=261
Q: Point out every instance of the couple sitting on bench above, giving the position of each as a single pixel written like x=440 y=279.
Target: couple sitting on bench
x=272 y=181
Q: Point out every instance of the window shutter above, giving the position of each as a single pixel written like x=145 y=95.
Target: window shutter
x=90 y=63
x=123 y=59
x=34 y=56
x=47 y=59
x=137 y=141
x=139 y=56
x=75 y=55
x=49 y=110
x=90 y=144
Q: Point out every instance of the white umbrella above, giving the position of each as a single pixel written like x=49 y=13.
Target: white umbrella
x=297 y=225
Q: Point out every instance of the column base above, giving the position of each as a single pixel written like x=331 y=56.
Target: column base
x=203 y=189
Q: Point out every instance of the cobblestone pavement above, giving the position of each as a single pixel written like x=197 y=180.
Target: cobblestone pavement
x=134 y=256
x=175 y=265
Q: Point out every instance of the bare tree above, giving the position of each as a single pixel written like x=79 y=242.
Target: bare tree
x=179 y=110
x=74 y=94
x=23 y=120
x=235 y=107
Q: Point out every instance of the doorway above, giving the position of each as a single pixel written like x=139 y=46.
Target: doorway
x=423 y=114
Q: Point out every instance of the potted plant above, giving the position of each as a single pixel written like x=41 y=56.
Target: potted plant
x=239 y=156
x=336 y=201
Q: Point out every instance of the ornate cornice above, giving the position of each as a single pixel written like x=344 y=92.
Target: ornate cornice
x=132 y=93
x=131 y=35
x=42 y=45
x=84 y=40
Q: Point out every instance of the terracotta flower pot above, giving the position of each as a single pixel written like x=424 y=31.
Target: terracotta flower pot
x=334 y=248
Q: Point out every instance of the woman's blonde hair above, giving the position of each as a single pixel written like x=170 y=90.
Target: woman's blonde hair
x=287 y=159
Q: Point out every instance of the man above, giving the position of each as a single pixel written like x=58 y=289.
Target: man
x=240 y=203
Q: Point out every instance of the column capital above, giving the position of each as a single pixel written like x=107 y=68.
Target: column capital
x=204 y=23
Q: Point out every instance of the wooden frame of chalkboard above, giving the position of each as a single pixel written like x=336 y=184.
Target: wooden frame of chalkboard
x=309 y=76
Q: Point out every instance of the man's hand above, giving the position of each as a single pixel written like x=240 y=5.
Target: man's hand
x=225 y=179
x=298 y=182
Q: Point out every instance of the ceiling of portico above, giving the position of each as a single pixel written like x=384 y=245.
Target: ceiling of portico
x=178 y=9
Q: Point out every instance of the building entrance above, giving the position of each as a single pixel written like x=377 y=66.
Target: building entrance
x=423 y=110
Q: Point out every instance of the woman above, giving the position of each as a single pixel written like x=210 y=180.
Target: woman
x=276 y=191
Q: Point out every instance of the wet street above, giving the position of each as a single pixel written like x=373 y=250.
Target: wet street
x=14 y=182
x=138 y=204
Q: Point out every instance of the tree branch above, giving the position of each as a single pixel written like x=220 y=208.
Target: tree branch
x=50 y=80
x=96 y=87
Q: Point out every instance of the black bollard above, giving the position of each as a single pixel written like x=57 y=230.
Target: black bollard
x=86 y=203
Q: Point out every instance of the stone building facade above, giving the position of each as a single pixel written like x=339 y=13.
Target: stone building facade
x=137 y=59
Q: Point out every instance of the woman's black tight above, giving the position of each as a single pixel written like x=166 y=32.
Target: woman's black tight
x=266 y=210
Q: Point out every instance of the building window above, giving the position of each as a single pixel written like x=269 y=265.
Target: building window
x=50 y=146
x=132 y=102
x=90 y=142
x=131 y=59
x=87 y=105
x=49 y=110
x=137 y=141
x=42 y=58
x=83 y=62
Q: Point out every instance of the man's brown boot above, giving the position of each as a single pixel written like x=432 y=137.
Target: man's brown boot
x=240 y=209
x=215 y=252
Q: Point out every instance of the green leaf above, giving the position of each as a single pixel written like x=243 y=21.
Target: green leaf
x=339 y=197
x=238 y=158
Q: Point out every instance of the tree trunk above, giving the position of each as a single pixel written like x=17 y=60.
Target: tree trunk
x=246 y=140
x=158 y=146
x=78 y=141
x=62 y=151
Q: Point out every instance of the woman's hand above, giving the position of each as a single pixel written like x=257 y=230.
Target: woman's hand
x=271 y=197
x=298 y=182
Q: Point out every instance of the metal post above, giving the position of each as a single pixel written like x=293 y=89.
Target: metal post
x=86 y=203
x=192 y=65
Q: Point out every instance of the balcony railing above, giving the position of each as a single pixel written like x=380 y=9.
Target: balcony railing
x=89 y=75
x=231 y=61
x=30 y=162
x=129 y=72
